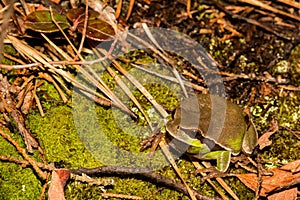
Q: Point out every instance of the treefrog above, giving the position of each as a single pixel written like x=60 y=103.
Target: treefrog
x=222 y=127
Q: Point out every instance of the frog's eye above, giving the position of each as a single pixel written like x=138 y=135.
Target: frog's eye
x=248 y=121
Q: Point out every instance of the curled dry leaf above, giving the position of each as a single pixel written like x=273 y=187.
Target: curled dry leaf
x=290 y=194
x=283 y=177
x=58 y=181
x=292 y=166
x=264 y=141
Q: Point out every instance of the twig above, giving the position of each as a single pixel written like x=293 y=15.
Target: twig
x=169 y=78
x=120 y=196
x=10 y=107
x=17 y=60
x=220 y=180
x=45 y=185
x=92 y=181
x=62 y=31
x=140 y=173
x=131 y=4
x=84 y=26
x=25 y=163
x=37 y=100
x=270 y=8
x=188 y=8
x=118 y=9
x=250 y=21
x=4 y=26
x=232 y=76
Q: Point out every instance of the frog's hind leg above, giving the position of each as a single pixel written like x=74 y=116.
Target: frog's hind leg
x=222 y=157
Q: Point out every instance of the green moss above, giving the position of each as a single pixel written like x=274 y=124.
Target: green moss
x=285 y=108
x=295 y=65
x=16 y=182
x=58 y=137
x=48 y=95
x=285 y=146
x=8 y=49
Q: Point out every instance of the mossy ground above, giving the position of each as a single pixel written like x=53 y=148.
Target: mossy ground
x=17 y=182
x=62 y=141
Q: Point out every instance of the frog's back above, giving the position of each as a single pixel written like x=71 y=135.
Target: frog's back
x=218 y=119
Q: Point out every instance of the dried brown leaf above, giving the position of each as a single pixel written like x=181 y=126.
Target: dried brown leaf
x=290 y=194
x=264 y=141
x=280 y=179
x=250 y=180
x=58 y=181
x=292 y=166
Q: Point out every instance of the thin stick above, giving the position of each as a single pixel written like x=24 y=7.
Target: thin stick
x=188 y=8
x=270 y=8
x=140 y=173
x=198 y=166
x=119 y=8
x=37 y=100
x=84 y=26
x=173 y=69
x=131 y=4
x=169 y=78
x=61 y=30
x=164 y=148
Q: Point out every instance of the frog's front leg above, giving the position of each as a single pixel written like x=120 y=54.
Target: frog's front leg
x=222 y=157
x=201 y=150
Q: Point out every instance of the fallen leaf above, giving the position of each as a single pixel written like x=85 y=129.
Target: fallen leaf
x=97 y=29
x=281 y=178
x=250 y=180
x=292 y=166
x=41 y=21
x=106 y=12
x=78 y=15
x=290 y=194
x=264 y=141
x=58 y=181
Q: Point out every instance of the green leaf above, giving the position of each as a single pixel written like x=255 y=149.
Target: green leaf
x=41 y=21
x=97 y=29
x=78 y=14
